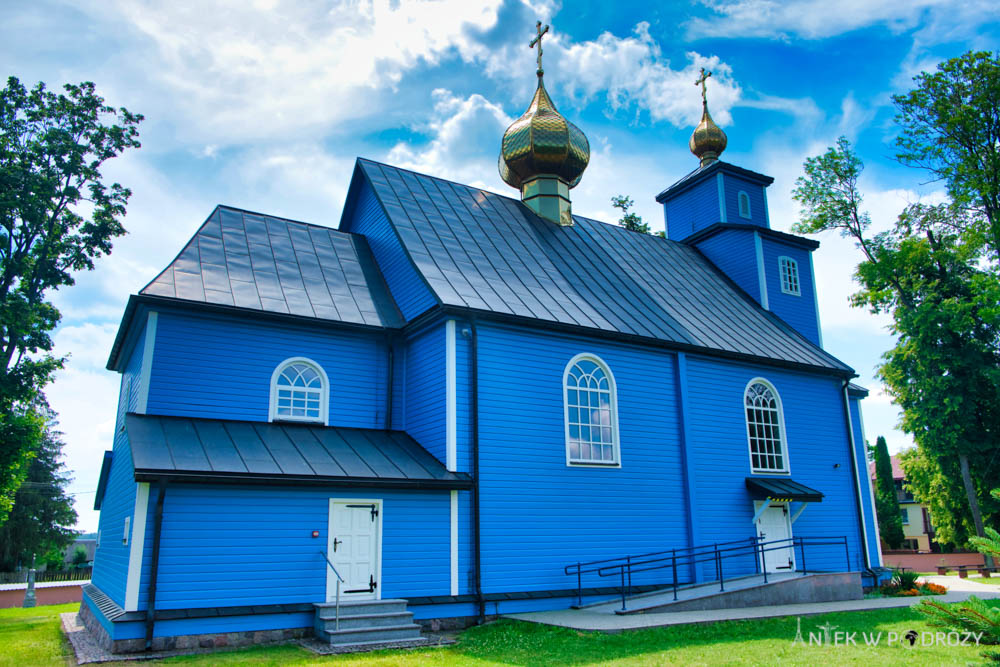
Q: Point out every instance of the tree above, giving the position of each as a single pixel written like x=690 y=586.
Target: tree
x=951 y=127
x=80 y=558
x=43 y=511
x=944 y=371
x=56 y=217
x=630 y=221
x=890 y=523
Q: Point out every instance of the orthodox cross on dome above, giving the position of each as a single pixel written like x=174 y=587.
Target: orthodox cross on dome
x=701 y=82
x=538 y=40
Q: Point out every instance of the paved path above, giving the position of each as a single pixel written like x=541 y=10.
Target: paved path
x=597 y=619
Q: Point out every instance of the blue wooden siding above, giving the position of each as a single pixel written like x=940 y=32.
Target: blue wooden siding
x=425 y=389
x=112 y=557
x=368 y=219
x=538 y=514
x=866 y=493
x=755 y=192
x=218 y=367
x=819 y=455
x=733 y=252
x=798 y=311
x=693 y=209
x=247 y=545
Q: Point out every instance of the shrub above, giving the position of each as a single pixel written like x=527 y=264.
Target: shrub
x=973 y=615
x=904 y=580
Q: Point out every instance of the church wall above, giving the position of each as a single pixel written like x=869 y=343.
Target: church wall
x=234 y=545
x=693 y=210
x=798 y=311
x=867 y=494
x=538 y=514
x=111 y=559
x=732 y=186
x=818 y=451
x=220 y=367
x=732 y=252
x=368 y=219
x=424 y=389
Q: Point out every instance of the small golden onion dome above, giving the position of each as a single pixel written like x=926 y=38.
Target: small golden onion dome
x=708 y=140
x=543 y=142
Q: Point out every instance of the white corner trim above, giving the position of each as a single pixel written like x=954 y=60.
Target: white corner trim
x=819 y=326
x=761 y=276
x=454 y=542
x=871 y=490
x=136 y=547
x=767 y=216
x=722 y=197
x=451 y=402
x=147 y=362
x=857 y=476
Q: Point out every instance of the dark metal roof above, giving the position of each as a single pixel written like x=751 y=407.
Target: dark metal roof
x=215 y=450
x=480 y=250
x=102 y=482
x=712 y=230
x=249 y=260
x=701 y=172
x=782 y=489
x=857 y=390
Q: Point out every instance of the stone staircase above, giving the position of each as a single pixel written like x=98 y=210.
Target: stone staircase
x=367 y=623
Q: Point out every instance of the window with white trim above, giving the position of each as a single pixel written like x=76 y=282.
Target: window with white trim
x=591 y=412
x=744 y=204
x=765 y=428
x=299 y=391
x=788 y=269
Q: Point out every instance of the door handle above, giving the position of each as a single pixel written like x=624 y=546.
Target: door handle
x=335 y=543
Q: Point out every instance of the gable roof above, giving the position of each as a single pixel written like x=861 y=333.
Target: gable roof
x=249 y=260
x=483 y=251
x=219 y=450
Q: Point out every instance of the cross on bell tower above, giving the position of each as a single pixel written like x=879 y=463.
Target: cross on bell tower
x=538 y=40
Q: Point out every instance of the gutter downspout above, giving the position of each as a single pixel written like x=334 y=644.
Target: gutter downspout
x=161 y=492
x=476 y=541
x=857 y=480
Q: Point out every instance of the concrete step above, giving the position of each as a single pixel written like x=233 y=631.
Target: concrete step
x=365 y=620
x=389 y=643
x=386 y=634
x=360 y=607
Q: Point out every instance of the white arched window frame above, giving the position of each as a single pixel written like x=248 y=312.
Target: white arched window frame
x=788 y=269
x=590 y=402
x=298 y=395
x=743 y=204
x=765 y=420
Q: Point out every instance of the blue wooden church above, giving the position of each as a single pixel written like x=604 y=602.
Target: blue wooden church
x=455 y=403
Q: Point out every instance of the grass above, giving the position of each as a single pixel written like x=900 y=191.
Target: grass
x=31 y=637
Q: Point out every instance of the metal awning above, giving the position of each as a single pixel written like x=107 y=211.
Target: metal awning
x=228 y=451
x=781 y=489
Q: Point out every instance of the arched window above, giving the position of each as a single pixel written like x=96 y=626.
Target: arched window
x=788 y=269
x=765 y=428
x=744 y=204
x=299 y=391
x=591 y=412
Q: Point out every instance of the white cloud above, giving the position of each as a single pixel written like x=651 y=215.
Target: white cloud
x=809 y=19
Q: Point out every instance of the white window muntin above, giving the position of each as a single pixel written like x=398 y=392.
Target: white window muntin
x=590 y=402
x=743 y=204
x=788 y=269
x=300 y=391
x=765 y=422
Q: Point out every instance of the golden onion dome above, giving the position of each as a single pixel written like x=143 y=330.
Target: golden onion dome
x=543 y=142
x=708 y=140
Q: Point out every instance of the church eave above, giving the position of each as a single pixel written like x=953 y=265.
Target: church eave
x=712 y=230
x=699 y=174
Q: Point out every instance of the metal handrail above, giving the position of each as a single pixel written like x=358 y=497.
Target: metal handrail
x=340 y=580
x=625 y=566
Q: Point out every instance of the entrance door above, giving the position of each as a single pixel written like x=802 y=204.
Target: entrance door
x=775 y=524
x=355 y=549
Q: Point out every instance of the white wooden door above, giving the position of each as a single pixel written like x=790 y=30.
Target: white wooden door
x=775 y=524
x=355 y=549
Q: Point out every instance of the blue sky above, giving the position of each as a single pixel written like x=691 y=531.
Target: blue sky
x=264 y=105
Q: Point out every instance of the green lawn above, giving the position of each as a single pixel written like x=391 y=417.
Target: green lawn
x=32 y=637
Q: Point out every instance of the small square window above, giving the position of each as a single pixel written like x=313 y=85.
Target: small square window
x=788 y=269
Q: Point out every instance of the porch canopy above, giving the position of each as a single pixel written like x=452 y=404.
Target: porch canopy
x=228 y=451
x=781 y=489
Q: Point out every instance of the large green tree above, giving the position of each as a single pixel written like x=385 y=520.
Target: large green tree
x=890 y=522
x=43 y=513
x=57 y=215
